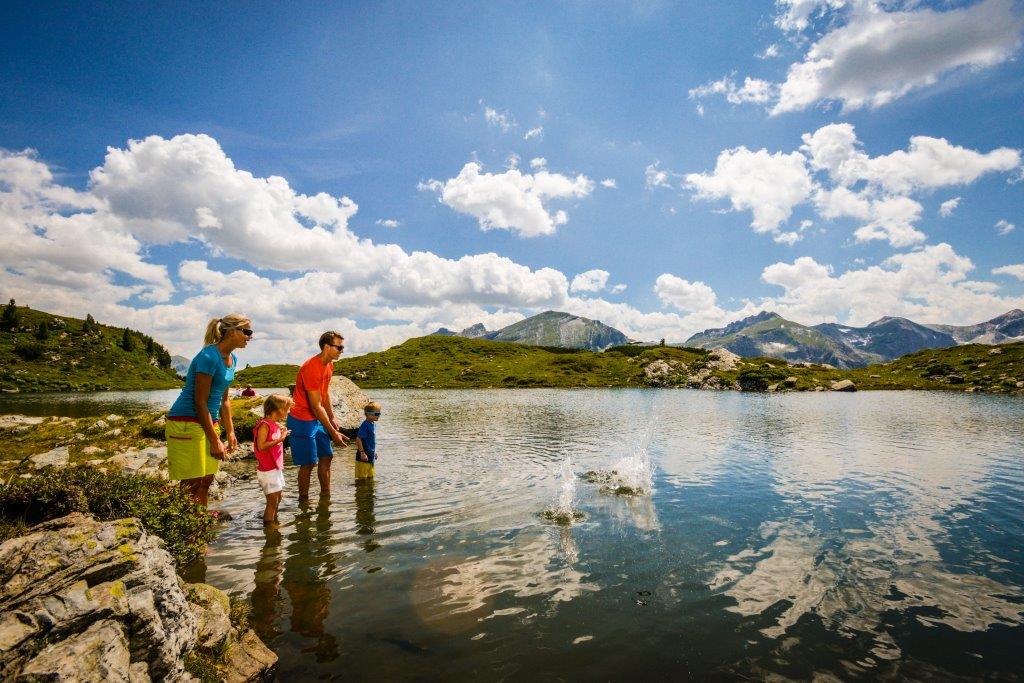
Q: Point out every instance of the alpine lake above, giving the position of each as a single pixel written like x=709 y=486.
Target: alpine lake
x=648 y=534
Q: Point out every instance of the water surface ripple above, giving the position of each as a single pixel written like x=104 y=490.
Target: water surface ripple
x=797 y=536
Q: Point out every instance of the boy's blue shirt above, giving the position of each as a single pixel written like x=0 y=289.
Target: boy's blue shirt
x=368 y=433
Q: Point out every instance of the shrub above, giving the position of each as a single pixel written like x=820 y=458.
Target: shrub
x=758 y=379
x=26 y=349
x=163 y=509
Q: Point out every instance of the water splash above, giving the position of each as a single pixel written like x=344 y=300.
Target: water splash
x=633 y=474
x=563 y=513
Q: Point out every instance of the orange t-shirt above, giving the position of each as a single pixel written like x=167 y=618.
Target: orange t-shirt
x=313 y=376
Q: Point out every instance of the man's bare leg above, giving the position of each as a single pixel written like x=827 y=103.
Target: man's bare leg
x=323 y=473
x=305 y=471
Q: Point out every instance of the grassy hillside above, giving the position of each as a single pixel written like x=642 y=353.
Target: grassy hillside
x=456 y=362
x=44 y=352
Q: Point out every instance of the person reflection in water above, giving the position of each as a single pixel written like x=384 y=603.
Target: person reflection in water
x=266 y=596
x=308 y=568
x=366 y=522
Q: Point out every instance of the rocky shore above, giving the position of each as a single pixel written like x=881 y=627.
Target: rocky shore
x=90 y=600
x=100 y=601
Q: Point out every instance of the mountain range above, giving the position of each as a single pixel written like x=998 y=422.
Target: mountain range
x=846 y=346
x=550 y=328
x=769 y=334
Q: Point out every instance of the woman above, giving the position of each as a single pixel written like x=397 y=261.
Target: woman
x=194 y=448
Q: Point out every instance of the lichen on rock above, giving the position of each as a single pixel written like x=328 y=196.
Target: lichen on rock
x=100 y=601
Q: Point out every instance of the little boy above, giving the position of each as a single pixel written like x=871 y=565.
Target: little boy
x=366 y=441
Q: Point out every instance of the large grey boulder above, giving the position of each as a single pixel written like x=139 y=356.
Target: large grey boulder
x=348 y=402
x=844 y=385
x=83 y=600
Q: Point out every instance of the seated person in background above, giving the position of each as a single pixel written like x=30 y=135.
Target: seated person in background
x=248 y=392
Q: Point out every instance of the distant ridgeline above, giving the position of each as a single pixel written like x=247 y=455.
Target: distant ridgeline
x=844 y=346
x=550 y=328
x=40 y=351
x=454 y=362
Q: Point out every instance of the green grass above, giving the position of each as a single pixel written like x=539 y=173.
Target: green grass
x=454 y=362
x=70 y=359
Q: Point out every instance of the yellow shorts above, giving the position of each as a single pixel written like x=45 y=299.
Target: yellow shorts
x=188 y=451
x=364 y=469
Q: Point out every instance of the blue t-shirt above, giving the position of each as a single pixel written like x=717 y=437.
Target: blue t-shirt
x=368 y=433
x=208 y=362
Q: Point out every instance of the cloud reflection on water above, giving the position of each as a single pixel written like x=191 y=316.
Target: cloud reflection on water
x=905 y=488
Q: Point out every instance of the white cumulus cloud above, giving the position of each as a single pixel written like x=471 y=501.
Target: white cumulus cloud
x=878 y=56
x=683 y=294
x=1005 y=227
x=768 y=185
x=842 y=181
x=511 y=200
x=868 y=53
x=388 y=222
x=926 y=164
x=1016 y=270
x=927 y=285
x=590 y=281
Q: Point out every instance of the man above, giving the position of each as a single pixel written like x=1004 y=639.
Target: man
x=311 y=419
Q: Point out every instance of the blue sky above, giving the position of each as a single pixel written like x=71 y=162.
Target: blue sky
x=394 y=167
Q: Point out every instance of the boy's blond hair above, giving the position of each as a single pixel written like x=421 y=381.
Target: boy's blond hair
x=372 y=405
x=276 y=402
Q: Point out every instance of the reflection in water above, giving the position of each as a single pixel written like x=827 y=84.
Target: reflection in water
x=451 y=594
x=891 y=559
x=365 y=521
x=267 y=603
x=307 y=570
x=783 y=536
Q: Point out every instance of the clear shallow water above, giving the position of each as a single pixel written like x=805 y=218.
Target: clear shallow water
x=799 y=535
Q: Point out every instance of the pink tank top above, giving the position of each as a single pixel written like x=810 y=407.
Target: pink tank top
x=271 y=458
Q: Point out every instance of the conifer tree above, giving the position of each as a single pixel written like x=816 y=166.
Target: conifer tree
x=10 y=317
x=42 y=331
x=127 y=343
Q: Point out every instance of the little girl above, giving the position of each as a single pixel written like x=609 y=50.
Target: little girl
x=269 y=439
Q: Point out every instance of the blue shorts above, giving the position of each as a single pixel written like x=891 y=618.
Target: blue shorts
x=309 y=441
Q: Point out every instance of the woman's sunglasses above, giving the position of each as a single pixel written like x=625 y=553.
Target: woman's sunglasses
x=245 y=330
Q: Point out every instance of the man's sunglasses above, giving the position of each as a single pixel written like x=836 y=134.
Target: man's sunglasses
x=340 y=347
x=375 y=413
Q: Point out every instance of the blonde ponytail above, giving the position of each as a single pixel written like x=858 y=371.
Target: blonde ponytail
x=216 y=328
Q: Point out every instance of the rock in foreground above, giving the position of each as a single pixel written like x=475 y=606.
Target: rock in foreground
x=100 y=601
